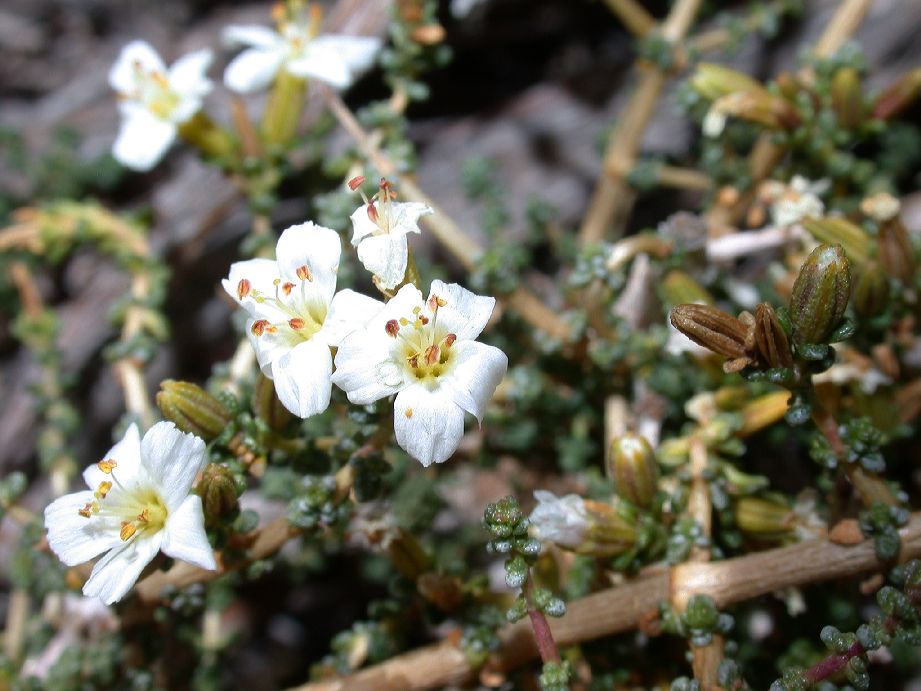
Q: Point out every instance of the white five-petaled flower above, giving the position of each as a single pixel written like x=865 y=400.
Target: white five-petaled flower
x=379 y=228
x=297 y=48
x=294 y=316
x=563 y=520
x=797 y=200
x=424 y=351
x=154 y=101
x=138 y=504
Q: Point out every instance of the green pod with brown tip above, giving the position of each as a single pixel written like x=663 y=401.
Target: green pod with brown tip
x=820 y=295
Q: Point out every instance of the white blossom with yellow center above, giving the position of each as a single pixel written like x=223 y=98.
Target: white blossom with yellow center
x=298 y=48
x=379 y=229
x=296 y=314
x=424 y=352
x=154 y=101
x=139 y=503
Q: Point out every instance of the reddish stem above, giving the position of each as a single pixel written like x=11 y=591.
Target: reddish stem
x=546 y=646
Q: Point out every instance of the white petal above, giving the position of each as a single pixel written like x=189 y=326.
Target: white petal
x=126 y=453
x=335 y=59
x=72 y=537
x=187 y=74
x=428 y=424
x=348 y=311
x=365 y=369
x=405 y=216
x=302 y=378
x=465 y=313
x=184 y=535
x=135 y=54
x=362 y=225
x=118 y=571
x=385 y=257
x=261 y=274
x=478 y=369
x=143 y=139
x=172 y=460
x=269 y=347
x=251 y=35
x=253 y=70
x=316 y=247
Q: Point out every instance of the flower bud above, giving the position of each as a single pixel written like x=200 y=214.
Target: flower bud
x=713 y=81
x=218 y=491
x=846 y=97
x=207 y=136
x=838 y=231
x=896 y=254
x=871 y=294
x=764 y=518
x=267 y=407
x=763 y=412
x=770 y=338
x=717 y=331
x=899 y=96
x=678 y=287
x=193 y=409
x=283 y=110
x=633 y=468
x=582 y=525
x=820 y=295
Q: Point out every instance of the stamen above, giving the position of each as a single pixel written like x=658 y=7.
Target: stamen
x=409 y=412
x=144 y=516
x=448 y=341
x=414 y=361
x=243 y=288
x=102 y=490
x=86 y=510
x=128 y=529
x=434 y=302
x=404 y=321
x=432 y=354
x=287 y=288
x=356 y=182
x=372 y=212
x=260 y=326
x=296 y=323
x=106 y=465
x=392 y=327
x=303 y=273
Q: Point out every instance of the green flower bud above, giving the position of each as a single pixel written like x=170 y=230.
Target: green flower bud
x=838 y=231
x=715 y=330
x=218 y=490
x=820 y=295
x=846 y=97
x=267 y=407
x=633 y=468
x=871 y=293
x=764 y=518
x=283 y=111
x=192 y=409
x=770 y=338
x=713 y=81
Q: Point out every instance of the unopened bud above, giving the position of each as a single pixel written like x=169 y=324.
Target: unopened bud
x=764 y=518
x=898 y=97
x=871 y=293
x=770 y=338
x=820 y=295
x=267 y=407
x=633 y=468
x=582 y=525
x=713 y=81
x=846 y=97
x=218 y=491
x=609 y=533
x=896 y=254
x=763 y=412
x=193 y=409
x=839 y=231
x=679 y=287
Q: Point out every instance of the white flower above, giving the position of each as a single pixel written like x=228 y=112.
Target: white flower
x=714 y=123
x=297 y=48
x=563 y=520
x=379 y=232
x=424 y=351
x=138 y=504
x=155 y=101
x=294 y=317
x=800 y=199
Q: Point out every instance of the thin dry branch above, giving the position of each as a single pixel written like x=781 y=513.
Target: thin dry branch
x=633 y=16
x=452 y=237
x=620 y=609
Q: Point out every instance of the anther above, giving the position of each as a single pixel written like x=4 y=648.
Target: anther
x=372 y=212
x=414 y=361
x=296 y=323
x=128 y=529
x=86 y=510
x=392 y=327
x=287 y=287
x=432 y=354
x=356 y=182
x=102 y=490
x=243 y=288
x=303 y=273
x=448 y=341
x=259 y=326
x=435 y=302
x=106 y=465
x=409 y=412
x=144 y=516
